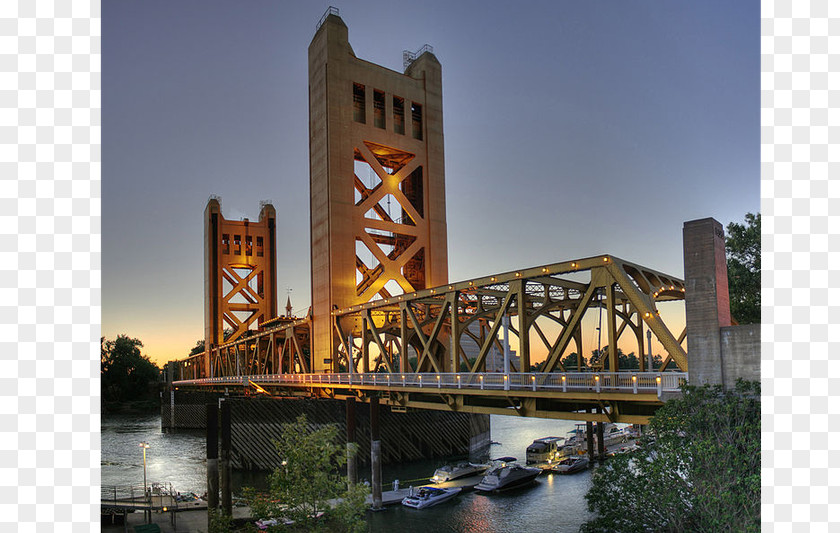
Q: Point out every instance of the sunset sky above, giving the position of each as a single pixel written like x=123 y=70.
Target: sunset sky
x=571 y=129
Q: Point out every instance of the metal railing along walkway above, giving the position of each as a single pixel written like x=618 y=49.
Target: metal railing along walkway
x=599 y=382
x=132 y=497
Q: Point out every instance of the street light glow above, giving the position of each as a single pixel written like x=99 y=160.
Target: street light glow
x=147 y=512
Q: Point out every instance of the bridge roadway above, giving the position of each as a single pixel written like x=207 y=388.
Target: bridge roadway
x=626 y=397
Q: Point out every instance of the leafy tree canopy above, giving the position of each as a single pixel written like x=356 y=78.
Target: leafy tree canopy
x=300 y=490
x=126 y=374
x=743 y=263
x=570 y=363
x=700 y=470
x=600 y=360
x=198 y=348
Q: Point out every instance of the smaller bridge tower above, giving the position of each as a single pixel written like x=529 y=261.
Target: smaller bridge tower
x=240 y=275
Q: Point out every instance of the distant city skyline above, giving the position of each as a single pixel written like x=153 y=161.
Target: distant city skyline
x=570 y=130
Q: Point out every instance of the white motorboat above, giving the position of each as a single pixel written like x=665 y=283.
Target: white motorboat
x=571 y=465
x=507 y=476
x=625 y=449
x=429 y=496
x=463 y=469
x=614 y=435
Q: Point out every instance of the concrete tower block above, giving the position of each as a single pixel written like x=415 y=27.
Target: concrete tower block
x=377 y=204
x=240 y=275
x=706 y=299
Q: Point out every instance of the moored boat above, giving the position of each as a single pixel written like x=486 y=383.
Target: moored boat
x=571 y=465
x=624 y=449
x=507 y=476
x=457 y=471
x=543 y=450
x=429 y=496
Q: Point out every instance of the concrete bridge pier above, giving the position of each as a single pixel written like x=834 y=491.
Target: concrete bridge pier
x=590 y=445
x=227 y=503
x=375 y=455
x=212 y=458
x=602 y=451
x=350 y=414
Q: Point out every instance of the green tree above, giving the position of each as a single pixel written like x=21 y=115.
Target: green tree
x=743 y=263
x=625 y=361
x=127 y=375
x=310 y=477
x=570 y=363
x=198 y=348
x=700 y=471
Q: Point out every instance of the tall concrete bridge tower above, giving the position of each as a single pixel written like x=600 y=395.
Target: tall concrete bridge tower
x=378 y=207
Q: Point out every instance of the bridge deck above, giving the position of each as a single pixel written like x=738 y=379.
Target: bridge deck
x=599 y=382
x=597 y=396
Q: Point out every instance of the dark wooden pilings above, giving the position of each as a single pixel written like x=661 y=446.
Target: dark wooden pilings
x=350 y=411
x=224 y=463
x=590 y=446
x=212 y=457
x=375 y=454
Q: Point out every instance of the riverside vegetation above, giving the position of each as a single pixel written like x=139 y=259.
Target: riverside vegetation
x=129 y=380
x=698 y=469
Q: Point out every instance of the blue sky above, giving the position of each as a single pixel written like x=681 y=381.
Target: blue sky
x=571 y=129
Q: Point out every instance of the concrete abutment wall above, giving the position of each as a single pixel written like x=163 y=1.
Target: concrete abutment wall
x=719 y=353
x=256 y=422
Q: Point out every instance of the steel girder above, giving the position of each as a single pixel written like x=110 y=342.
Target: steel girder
x=434 y=321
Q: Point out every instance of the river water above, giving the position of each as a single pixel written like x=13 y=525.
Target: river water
x=554 y=503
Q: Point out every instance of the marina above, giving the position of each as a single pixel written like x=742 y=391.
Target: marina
x=177 y=458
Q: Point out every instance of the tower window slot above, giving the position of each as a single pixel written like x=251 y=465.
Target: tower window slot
x=237 y=245
x=399 y=115
x=379 y=109
x=259 y=246
x=249 y=245
x=225 y=243
x=359 y=102
x=417 y=121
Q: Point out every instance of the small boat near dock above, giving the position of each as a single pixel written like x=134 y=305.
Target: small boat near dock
x=507 y=475
x=458 y=471
x=571 y=465
x=429 y=496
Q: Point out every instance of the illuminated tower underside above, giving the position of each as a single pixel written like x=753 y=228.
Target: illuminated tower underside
x=378 y=212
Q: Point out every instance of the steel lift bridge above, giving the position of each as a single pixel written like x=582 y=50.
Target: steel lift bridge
x=395 y=328
x=408 y=350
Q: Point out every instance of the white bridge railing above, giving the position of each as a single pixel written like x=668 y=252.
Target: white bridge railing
x=633 y=382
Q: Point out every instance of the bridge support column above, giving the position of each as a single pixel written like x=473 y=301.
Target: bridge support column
x=590 y=445
x=227 y=504
x=212 y=458
x=350 y=413
x=375 y=455
x=602 y=454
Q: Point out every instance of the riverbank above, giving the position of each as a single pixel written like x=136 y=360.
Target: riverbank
x=146 y=407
